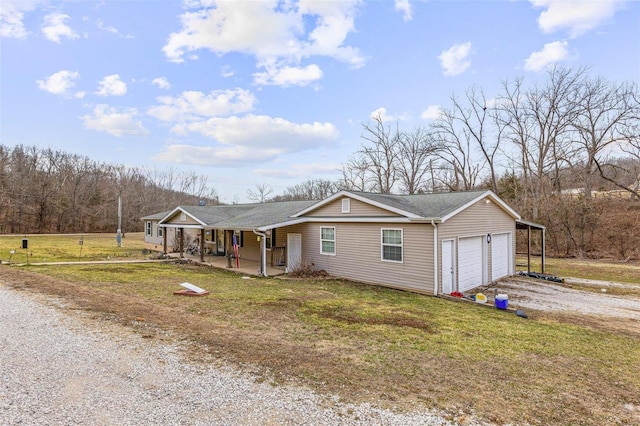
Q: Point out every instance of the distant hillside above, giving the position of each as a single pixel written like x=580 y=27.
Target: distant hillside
x=43 y=190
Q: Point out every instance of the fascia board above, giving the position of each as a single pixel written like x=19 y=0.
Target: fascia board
x=171 y=213
x=377 y=219
x=282 y=224
x=180 y=209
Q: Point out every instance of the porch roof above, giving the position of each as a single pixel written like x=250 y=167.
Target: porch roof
x=242 y=216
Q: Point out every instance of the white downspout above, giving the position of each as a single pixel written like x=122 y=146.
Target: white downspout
x=435 y=258
x=263 y=252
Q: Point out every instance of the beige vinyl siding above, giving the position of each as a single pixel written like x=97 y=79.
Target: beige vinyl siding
x=358 y=254
x=153 y=238
x=358 y=208
x=480 y=219
x=251 y=247
x=175 y=220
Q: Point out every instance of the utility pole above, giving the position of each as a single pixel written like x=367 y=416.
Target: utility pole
x=119 y=232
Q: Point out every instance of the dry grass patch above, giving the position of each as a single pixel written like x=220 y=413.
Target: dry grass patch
x=67 y=248
x=370 y=344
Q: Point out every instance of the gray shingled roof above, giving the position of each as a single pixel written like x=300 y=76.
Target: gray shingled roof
x=156 y=216
x=267 y=214
x=247 y=216
x=432 y=206
x=212 y=215
x=252 y=216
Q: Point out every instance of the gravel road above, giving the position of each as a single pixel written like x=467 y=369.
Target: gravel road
x=59 y=369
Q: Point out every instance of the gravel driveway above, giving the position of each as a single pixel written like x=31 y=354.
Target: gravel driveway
x=547 y=296
x=57 y=369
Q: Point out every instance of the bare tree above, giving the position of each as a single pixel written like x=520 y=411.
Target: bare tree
x=607 y=115
x=460 y=169
x=538 y=122
x=261 y=193
x=312 y=189
x=355 y=174
x=381 y=154
x=466 y=128
x=415 y=149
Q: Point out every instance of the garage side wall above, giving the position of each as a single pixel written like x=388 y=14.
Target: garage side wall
x=480 y=219
x=358 y=254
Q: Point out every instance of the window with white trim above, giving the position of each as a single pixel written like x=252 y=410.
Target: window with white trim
x=346 y=205
x=160 y=231
x=328 y=240
x=148 y=228
x=391 y=240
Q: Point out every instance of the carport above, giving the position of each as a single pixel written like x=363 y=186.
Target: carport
x=529 y=226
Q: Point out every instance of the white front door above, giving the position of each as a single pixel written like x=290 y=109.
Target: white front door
x=447 y=266
x=294 y=251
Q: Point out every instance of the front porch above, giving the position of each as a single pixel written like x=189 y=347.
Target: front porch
x=247 y=267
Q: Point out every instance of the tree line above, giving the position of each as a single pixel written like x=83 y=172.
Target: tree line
x=43 y=190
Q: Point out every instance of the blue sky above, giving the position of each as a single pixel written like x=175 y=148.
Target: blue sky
x=275 y=92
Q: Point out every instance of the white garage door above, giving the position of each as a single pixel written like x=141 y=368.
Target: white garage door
x=500 y=256
x=470 y=270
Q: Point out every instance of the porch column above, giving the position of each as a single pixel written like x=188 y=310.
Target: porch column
x=164 y=241
x=181 y=230
x=202 y=245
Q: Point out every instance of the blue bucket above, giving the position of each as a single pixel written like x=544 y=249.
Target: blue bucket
x=502 y=301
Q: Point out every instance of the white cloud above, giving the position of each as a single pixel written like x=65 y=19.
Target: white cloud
x=300 y=171
x=219 y=156
x=289 y=76
x=193 y=105
x=114 y=121
x=550 y=54
x=432 y=112
x=59 y=83
x=277 y=34
x=161 y=82
x=227 y=71
x=261 y=132
x=54 y=27
x=405 y=7
x=111 y=85
x=12 y=16
x=575 y=16
x=381 y=113
x=248 y=140
x=455 y=60
x=110 y=29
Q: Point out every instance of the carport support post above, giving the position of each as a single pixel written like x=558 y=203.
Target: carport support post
x=529 y=249
x=543 y=248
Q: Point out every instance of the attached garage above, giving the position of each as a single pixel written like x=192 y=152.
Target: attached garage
x=470 y=263
x=501 y=256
